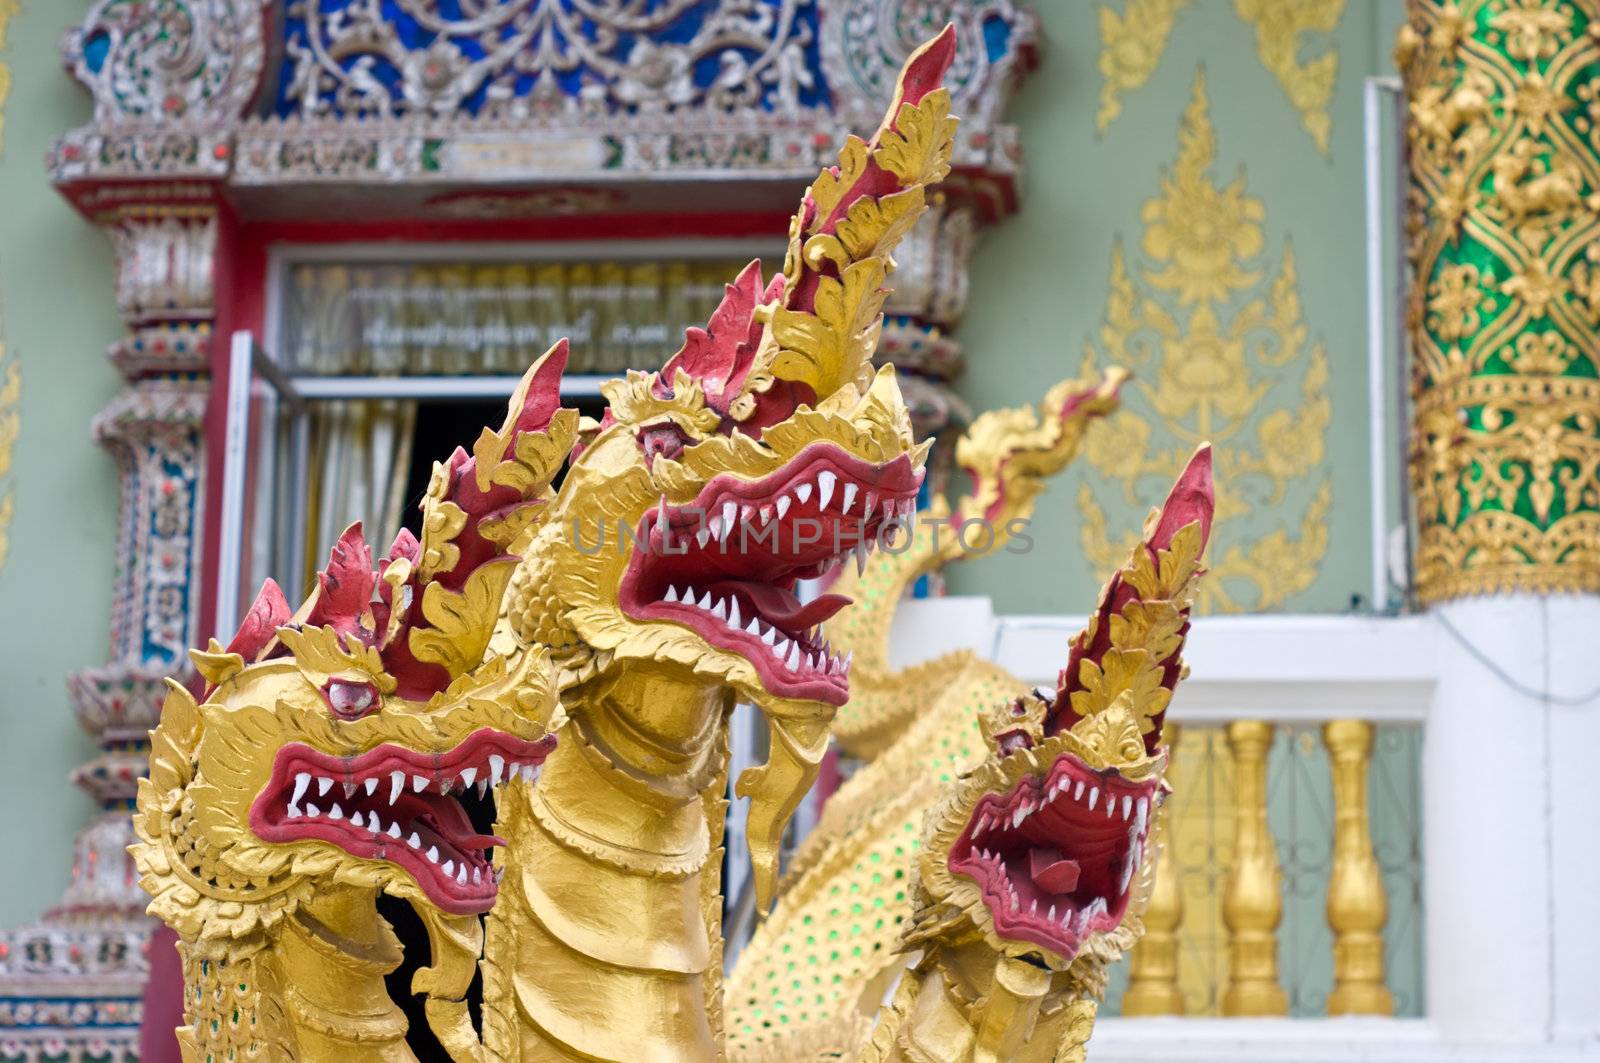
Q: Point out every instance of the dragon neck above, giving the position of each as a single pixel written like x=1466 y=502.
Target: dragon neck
x=600 y=946
x=311 y=988
x=962 y=1002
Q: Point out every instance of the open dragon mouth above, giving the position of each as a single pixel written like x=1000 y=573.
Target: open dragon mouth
x=726 y=564
x=1055 y=859
x=393 y=803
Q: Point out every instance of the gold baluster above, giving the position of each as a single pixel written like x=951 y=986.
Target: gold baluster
x=1153 y=970
x=1357 y=906
x=1253 y=904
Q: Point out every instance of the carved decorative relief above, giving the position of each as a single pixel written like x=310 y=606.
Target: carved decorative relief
x=1281 y=30
x=519 y=57
x=1221 y=352
x=1133 y=42
x=1504 y=314
x=10 y=428
x=1131 y=46
x=171 y=61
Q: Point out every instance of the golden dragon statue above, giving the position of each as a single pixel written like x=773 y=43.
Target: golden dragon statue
x=580 y=649
x=325 y=761
x=1020 y=846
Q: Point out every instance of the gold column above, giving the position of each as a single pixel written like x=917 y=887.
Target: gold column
x=1153 y=970
x=1253 y=904
x=1357 y=907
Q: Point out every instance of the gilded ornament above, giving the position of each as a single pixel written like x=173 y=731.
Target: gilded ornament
x=1503 y=224
x=1131 y=46
x=10 y=428
x=1281 y=27
x=1216 y=336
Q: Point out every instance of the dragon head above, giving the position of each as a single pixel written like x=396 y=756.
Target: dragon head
x=763 y=453
x=1040 y=848
x=331 y=743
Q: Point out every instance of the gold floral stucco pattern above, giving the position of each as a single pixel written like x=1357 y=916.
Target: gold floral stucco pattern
x=10 y=372
x=1281 y=28
x=1220 y=351
x=1503 y=138
x=1132 y=44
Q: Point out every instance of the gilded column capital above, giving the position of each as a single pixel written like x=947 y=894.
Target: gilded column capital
x=1503 y=223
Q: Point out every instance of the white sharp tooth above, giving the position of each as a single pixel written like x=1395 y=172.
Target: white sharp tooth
x=1018 y=816
x=872 y=505
x=397 y=782
x=848 y=658
x=433 y=853
x=861 y=558
x=784 y=501
x=461 y=875
x=311 y=809
x=701 y=536
x=449 y=868
x=302 y=779
x=730 y=515
x=850 y=491
x=444 y=786
x=811 y=662
x=753 y=628
x=499 y=874
x=720 y=610
x=371 y=785
x=1111 y=805
x=477 y=876
x=530 y=774
x=715 y=526
x=357 y=819
x=1127 y=807
x=733 y=613
x=1051 y=914
x=792 y=661
x=336 y=812
x=292 y=812
x=983 y=825
x=1094 y=798
x=414 y=841
x=766 y=515
x=322 y=786
x=497 y=764
x=661 y=514
x=825 y=482
x=705 y=602
x=747 y=513
x=419 y=783
x=1033 y=906
x=781 y=648
x=513 y=770
x=393 y=831
x=1077 y=794
x=349 y=789
x=672 y=595
x=467 y=777
x=769 y=636
x=803 y=493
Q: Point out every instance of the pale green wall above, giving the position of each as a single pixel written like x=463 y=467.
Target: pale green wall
x=1040 y=279
x=57 y=315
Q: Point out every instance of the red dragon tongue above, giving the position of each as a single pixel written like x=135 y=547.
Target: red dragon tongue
x=1053 y=872
x=780 y=606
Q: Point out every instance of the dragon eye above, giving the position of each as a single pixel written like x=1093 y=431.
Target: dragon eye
x=350 y=700
x=666 y=440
